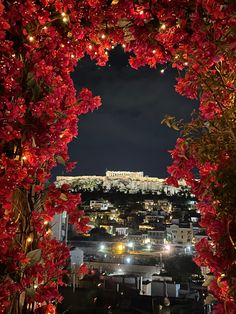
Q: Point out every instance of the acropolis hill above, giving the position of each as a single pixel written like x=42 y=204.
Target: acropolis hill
x=122 y=181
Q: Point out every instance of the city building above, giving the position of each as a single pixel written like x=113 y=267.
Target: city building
x=121 y=174
x=156 y=236
x=179 y=235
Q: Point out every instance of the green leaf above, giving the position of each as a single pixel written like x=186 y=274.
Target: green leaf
x=34 y=256
x=60 y=160
x=29 y=292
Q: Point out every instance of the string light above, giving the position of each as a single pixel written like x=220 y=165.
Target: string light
x=72 y=56
x=123 y=45
x=35 y=286
x=154 y=51
x=45 y=222
x=90 y=47
x=106 y=53
x=163 y=26
x=103 y=36
x=31 y=38
x=65 y=19
x=24 y=157
x=29 y=240
x=185 y=63
x=63 y=14
x=141 y=12
x=162 y=71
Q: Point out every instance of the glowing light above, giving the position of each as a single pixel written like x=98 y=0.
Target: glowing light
x=185 y=63
x=90 y=47
x=24 y=157
x=154 y=51
x=63 y=14
x=163 y=27
x=103 y=36
x=102 y=247
x=65 y=19
x=45 y=222
x=106 y=52
x=167 y=247
x=72 y=56
x=128 y=260
x=31 y=38
x=123 y=45
x=149 y=246
x=120 y=247
x=162 y=71
x=141 y=12
x=29 y=240
x=130 y=245
x=147 y=241
x=35 y=286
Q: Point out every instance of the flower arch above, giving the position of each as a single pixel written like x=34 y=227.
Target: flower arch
x=41 y=42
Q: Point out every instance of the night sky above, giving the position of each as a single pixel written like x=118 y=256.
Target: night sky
x=126 y=132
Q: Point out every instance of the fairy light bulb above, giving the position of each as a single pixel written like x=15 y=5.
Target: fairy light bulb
x=31 y=39
x=63 y=14
x=29 y=240
x=123 y=45
x=163 y=26
x=90 y=47
x=103 y=36
x=185 y=63
x=162 y=71
x=24 y=157
x=65 y=19
x=45 y=222
x=154 y=51
x=141 y=12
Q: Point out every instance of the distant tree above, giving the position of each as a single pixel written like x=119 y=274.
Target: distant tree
x=99 y=234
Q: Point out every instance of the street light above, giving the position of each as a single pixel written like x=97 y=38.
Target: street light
x=167 y=247
x=102 y=247
x=128 y=259
x=130 y=245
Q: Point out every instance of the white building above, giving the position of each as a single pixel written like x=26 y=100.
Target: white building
x=178 y=235
x=76 y=256
x=99 y=204
x=161 y=287
x=156 y=236
x=60 y=227
x=120 y=174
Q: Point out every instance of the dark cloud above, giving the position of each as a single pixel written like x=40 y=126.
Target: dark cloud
x=125 y=133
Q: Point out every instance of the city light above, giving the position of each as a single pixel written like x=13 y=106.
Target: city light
x=102 y=247
x=128 y=259
x=146 y=241
x=167 y=247
x=130 y=245
x=120 y=248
